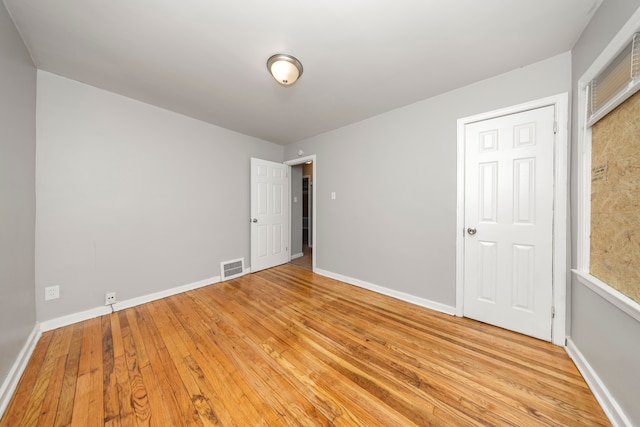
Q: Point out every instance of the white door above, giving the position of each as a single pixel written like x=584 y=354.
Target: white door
x=269 y=214
x=509 y=221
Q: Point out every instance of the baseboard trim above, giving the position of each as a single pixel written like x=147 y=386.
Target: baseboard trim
x=166 y=293
x=300 y=255
x=70 y=319
x=11 y=382
x=422 y=302
x=600 y=391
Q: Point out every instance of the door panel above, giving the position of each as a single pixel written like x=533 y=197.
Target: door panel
x=523 y=277
x=269 y=214
x=488 y=274
x=488 y=197
x=524 y=201
x=509 y=201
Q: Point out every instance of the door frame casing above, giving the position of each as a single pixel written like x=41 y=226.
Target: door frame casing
x=560 y=204
x=314 y=178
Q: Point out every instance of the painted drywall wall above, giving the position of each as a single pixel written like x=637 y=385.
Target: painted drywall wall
x=393 y=221
x=132 y=198
x=296 y=210
x=17 y=193
x=608 y=338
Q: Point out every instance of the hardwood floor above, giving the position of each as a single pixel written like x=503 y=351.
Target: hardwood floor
x=306 y=260
x=287 y=347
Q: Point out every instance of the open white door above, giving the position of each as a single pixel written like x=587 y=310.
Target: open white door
x=509 y=195
x=269 y=214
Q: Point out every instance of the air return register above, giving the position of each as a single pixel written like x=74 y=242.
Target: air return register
x=231 y=269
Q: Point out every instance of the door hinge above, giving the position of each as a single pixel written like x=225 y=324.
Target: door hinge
x=555 y=127
x=553 y=312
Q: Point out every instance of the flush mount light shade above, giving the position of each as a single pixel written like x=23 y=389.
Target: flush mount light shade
x=284 y=68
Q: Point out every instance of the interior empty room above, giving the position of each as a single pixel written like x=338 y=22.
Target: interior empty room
x=341 y=213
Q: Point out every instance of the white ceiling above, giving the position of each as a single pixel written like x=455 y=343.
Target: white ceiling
x=207 y=58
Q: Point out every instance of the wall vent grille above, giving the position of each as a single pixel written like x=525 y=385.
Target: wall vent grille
x=231 y=269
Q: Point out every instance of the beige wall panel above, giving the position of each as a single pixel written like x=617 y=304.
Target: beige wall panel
x=615 y=198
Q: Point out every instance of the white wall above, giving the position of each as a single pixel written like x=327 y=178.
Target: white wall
x=607 y=338
x=17 y=194
x=133 y=198
x=393 y=222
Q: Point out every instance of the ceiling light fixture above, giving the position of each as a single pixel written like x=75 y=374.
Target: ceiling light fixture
x=284 y=68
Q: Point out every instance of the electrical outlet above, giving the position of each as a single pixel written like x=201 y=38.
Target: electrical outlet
x=109 y=298
x=52 y=292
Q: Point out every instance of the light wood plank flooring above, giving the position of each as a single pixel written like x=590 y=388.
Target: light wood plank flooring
x=306 y=260
x=287 y=347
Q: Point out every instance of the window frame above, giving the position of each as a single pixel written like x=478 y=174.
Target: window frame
x=581 y=272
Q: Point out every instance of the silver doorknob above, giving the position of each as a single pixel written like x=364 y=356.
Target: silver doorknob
x=254 y=220
x=471 y=231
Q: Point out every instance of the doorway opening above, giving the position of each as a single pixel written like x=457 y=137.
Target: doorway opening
x=301 y=215
x=302 y=210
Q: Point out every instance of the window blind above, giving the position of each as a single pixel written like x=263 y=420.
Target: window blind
x=617 y=82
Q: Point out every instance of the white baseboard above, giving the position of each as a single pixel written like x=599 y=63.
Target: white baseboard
x=166 y=293
x=300 y=255
x=11 y=382
x=443 y=308
x=599 y=390
x=70 y=319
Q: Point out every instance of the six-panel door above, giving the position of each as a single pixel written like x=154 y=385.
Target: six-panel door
x=269 y=214
x=509 y=203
